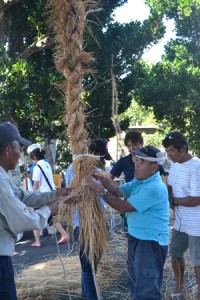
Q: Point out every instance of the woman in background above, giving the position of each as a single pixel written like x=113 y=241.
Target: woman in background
x=43 y=181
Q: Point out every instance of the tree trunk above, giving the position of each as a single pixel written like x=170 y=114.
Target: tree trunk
x=50 y=148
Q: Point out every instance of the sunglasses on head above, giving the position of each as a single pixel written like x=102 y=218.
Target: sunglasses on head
x=169 y=136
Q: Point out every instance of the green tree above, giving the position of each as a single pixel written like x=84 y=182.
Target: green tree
x=28 y=96
x=171 y=86
x=140 y=115
x=116 y=46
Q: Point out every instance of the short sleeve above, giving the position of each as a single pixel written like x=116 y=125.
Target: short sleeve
x=126 y=188
x=117 y=169
x=36 y=174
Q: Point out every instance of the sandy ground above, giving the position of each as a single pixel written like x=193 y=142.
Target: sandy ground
x=53 y=272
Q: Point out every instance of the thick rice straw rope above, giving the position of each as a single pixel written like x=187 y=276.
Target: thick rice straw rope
x=67 y=18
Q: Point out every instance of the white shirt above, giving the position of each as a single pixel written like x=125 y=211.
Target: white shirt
x=184 y=178
x=38 y=176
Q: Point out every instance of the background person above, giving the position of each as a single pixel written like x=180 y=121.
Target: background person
x=184 y=188
x=29 y=175
x=15 y=217
x=99 y=148
x=133 y=141
x=147 y=207
x=43 y=181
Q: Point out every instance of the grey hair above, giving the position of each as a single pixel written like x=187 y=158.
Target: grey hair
x=14 y=145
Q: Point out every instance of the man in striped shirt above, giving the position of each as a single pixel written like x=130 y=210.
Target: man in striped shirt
x=184 y=188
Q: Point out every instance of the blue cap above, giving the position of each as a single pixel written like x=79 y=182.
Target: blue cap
x=9 y=133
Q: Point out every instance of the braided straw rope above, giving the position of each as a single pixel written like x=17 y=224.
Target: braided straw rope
x=68 y=18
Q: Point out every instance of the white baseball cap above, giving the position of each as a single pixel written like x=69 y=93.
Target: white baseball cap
x=33 y=147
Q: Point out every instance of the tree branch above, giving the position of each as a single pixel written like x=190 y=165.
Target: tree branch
x=40 y=44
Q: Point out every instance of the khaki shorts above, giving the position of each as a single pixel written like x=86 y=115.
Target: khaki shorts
x=181 y=241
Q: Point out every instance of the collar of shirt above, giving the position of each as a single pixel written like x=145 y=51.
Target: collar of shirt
x=151 y=178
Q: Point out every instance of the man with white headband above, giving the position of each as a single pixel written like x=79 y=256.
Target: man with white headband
x=145 y=200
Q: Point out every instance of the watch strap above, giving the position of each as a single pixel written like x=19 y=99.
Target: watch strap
x=103 y=192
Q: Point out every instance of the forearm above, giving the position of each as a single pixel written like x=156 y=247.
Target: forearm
x=112 y=187
x=38 y=199
x=111 y=176
x=14 y=210
x=117 y=203
x=114 y=201
x=187 y=201
x=35 y=186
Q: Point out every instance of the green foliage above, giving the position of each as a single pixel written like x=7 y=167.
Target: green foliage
x=120 y=45
x=141 y=115
x=172 y=85
x=28 y=95
x=154 y=139
x=63 y=154
x=28 y=98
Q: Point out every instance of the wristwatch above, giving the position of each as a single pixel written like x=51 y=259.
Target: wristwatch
x=103 y=192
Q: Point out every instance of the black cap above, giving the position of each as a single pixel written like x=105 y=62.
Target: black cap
x=150 y=153
x=9 y=133
x=100 y=146
x=176 y=139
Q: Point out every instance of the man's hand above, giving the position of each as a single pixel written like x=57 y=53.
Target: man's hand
x=109 y=184
x=92 y=183
x=63 y=192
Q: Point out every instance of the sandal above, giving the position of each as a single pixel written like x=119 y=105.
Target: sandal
x=63 y=240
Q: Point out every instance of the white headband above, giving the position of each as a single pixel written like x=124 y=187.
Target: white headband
x=159 y=160
x=76 y=156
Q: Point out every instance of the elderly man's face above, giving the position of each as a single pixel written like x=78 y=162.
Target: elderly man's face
x=12 y=155
x=144 y=168
x=176 y=155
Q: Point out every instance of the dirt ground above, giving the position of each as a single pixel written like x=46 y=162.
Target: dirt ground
x=53 y=272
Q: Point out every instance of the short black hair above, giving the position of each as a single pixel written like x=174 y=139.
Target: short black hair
x=38 y=154
x=100 y=146
x=134 y=137
x=175 y=139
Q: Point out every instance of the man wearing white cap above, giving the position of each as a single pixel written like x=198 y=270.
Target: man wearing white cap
x=145 y=200
x=15 y=217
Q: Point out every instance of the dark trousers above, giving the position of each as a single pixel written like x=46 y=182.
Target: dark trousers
x=145 y=266
x=87 y=280
x=7 y=283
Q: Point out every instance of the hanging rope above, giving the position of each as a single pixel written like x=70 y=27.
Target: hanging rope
x=68 y=19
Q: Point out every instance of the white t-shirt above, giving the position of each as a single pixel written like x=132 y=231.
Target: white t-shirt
x=184 y=178
x=38 y=176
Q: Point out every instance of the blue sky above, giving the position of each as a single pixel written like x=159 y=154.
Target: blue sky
x=137 y=10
